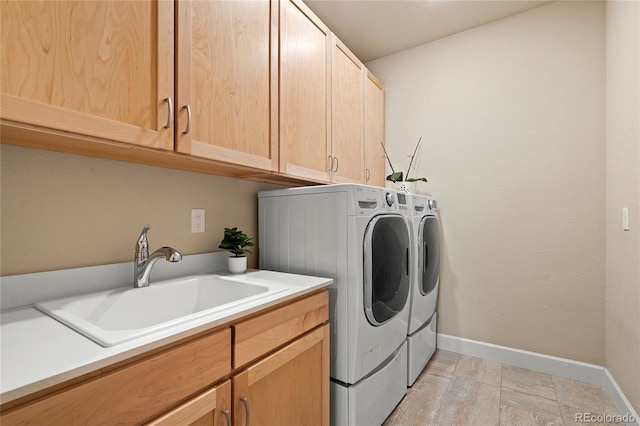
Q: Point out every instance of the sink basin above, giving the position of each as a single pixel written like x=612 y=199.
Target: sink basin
x=122 y=314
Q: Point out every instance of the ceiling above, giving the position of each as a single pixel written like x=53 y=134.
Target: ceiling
x=376 y=28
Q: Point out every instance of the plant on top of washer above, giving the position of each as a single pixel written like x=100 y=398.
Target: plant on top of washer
x=396 y=177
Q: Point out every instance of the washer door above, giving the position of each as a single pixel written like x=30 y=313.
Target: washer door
x=386 y=268
x=428 y=254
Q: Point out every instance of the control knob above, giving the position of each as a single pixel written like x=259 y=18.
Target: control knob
x=389 y=198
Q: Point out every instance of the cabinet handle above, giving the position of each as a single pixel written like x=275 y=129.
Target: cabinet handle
x=188 y=129
x=367 y=175
x=245 y=401
x=337 y=164
x=227 y=416
x=170 y=115
x=330 y=163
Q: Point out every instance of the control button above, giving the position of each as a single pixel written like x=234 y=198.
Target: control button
x=389 y=198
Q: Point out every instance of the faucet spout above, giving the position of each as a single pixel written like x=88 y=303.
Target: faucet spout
x=143 y=262
x=170 y=254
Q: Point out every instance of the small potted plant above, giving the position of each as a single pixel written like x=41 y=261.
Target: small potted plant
x=405 y=185
x=235 y=242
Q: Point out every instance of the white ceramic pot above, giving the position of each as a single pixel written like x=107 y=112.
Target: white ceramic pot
x=237 y=264
x=405 y=187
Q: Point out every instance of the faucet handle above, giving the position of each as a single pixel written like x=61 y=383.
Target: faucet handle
x=142 y=245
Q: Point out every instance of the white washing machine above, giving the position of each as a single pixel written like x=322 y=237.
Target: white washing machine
x=359 y=236
x=425 y=239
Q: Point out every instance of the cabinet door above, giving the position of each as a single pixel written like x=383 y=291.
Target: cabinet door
x=290 y=387
x=226 y=65
x=305 y=90
x=97 y=68
x=210 y=408
x=373 y=131
x=347 y=115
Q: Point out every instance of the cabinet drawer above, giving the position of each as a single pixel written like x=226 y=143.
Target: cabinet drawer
x=136 y=392
x=261 y=334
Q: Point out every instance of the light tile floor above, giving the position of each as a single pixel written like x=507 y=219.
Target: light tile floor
x=461 y=390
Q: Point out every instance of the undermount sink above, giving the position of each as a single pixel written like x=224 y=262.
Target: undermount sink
x=125 y=313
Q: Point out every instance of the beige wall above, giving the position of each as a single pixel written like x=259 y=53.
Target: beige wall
x=623 y=190
x=64 y=211
x=512 y=119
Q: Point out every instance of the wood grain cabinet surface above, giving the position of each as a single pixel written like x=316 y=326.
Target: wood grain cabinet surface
x=290 y=387
x=226 y=67
x=305 y=93
x=252 y=89
x=210 y=408
x=347 y=116
x=374 y=161
x=100 y=69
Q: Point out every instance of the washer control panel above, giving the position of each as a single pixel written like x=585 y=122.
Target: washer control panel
x=402 y=202
x=397 y=201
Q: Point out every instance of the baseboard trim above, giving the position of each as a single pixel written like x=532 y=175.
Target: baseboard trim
x=562 y=367
x=620 y=399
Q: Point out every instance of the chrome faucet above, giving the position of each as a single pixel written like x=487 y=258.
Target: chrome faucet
x=143 y=262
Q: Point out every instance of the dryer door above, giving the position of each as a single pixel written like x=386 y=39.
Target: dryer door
x=386 y=268
x=428 y=254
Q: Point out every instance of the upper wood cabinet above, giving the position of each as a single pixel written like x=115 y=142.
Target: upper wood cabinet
x=305 y=93
x=247 y=88
x=346 y=115
x=226 y=66
x=97 y=69
x=373 y=131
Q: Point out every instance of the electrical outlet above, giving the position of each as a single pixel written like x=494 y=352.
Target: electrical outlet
x=197 y=221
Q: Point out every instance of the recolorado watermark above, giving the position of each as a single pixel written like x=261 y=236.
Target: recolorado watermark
x=604 y=418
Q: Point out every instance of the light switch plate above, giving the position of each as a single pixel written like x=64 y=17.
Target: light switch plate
x=625 y=218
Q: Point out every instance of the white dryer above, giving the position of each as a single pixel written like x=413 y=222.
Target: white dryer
x=359 y=236
x=425 y=237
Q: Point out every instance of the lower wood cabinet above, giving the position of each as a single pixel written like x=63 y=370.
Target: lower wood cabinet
x=278 y=375
x=290 y=387
x=133 y=393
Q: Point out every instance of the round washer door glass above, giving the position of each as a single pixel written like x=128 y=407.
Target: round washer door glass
x=386 y=268
x=429 y=254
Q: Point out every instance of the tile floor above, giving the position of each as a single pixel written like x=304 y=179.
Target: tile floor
x=461 y=390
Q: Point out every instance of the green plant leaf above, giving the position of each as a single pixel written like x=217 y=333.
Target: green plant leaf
x=417 y=179
x=395 y=177
x=235 y=241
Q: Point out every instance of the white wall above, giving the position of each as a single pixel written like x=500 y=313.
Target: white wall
x=512 y=116
x=623 y=190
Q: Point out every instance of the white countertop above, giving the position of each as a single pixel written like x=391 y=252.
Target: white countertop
x=37 y=351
